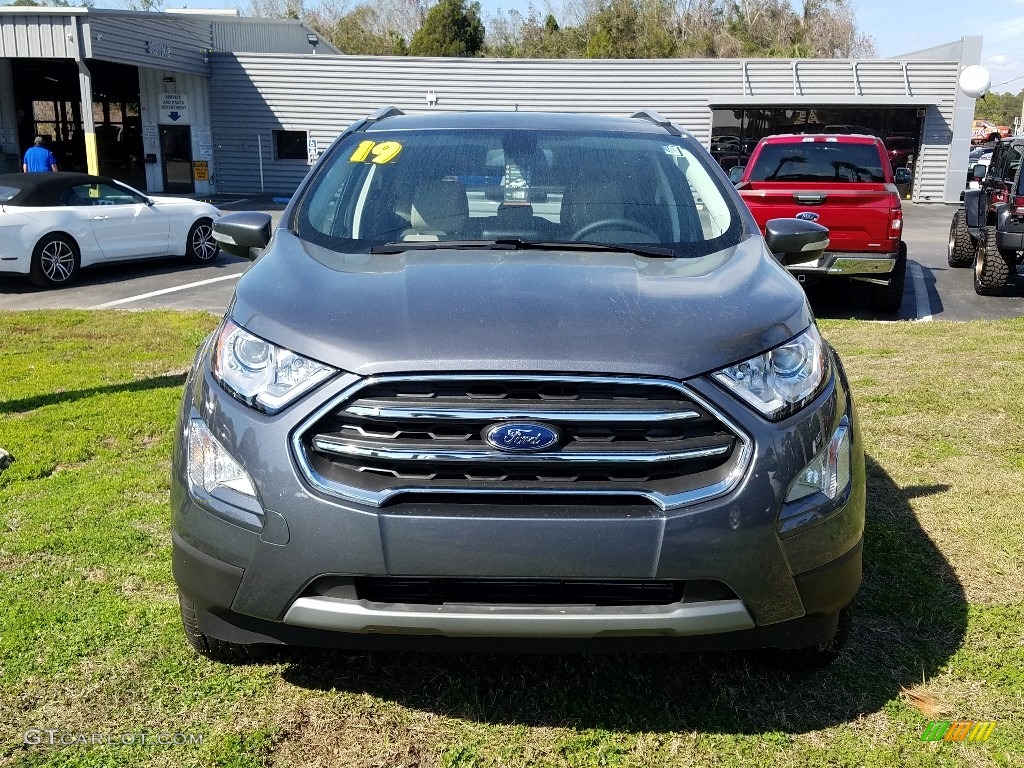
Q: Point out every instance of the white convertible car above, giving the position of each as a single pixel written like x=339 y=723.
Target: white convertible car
x=53 y=224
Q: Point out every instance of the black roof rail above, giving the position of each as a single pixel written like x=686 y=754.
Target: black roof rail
x=654 y=117
x=383 y=113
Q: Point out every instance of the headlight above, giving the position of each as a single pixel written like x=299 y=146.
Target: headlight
x=260 y=374
x=210 y=466
x=782 y=380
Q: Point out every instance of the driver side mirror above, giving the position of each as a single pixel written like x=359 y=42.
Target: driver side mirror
x=240 y=233
x=979 y=171
x=736 y=173
x=793 y=240
x=902 y=175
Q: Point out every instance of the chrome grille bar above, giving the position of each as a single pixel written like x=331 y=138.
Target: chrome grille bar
x=530 y=411
x=430 y=455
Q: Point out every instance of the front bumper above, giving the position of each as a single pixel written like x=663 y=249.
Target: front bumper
x=250 y=570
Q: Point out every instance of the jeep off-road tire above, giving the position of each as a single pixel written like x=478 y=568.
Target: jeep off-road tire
x=211 y=647
x=887 y=299
x=992 y=269
x=961 y=247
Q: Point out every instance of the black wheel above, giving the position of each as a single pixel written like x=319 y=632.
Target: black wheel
x=211 y=647
x=200 y=247
x=961 y=248
x=992 y=269
x=815 y=657
x=55 y=261
x=887 y=299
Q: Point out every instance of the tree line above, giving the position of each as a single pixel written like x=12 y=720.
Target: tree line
x=630 y=29
x=999 y=108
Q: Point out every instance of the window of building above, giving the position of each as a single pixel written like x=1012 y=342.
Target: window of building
x=289 y=145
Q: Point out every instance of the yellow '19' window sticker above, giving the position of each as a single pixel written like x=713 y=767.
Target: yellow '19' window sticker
x=372 y=152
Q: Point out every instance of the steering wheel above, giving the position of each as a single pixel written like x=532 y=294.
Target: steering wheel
x=627 y=224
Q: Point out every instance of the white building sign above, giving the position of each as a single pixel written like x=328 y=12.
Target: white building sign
x=174 y=109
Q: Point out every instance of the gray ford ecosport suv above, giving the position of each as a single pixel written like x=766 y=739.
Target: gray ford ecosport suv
x=514 y=380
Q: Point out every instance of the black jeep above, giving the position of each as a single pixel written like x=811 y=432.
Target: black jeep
x=989 y=229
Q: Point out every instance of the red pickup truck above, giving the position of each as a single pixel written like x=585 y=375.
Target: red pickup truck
x=845 y=183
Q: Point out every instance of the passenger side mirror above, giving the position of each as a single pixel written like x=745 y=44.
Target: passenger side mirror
x=794 y=240
x=979 y=171
x=902 y=175
x=736 y=173
x=239 y=233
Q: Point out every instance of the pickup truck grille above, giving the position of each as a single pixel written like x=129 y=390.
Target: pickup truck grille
x=651 y=439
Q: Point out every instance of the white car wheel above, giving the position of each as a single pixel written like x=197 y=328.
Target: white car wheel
x=201 y=247
x=55 y=261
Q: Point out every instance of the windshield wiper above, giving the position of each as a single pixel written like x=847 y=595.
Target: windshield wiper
x=515 y=244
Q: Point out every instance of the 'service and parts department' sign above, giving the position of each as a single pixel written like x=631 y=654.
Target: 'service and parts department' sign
x=174 y=109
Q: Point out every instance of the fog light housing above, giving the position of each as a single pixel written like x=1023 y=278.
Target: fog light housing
x=210 y=466
x=829 y=473
x=822 y=487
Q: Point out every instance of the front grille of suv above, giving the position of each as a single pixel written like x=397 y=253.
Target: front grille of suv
x=646 y=438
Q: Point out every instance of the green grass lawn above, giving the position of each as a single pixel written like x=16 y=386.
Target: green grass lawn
x=90 y=640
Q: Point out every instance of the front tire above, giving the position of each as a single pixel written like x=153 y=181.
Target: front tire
x=992 y=268
x=200 y=247
x=211 y=647
x=55 y=261
x=887 y=299
x=961 y=249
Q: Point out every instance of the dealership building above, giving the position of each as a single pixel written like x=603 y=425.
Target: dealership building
x=200 y=103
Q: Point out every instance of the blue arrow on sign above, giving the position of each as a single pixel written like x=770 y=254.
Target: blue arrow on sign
x=174 y=115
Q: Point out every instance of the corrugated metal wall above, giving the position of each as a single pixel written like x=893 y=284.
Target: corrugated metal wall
x=43 y=36
x=253 y=95
x=177 y=43
x=265 y=36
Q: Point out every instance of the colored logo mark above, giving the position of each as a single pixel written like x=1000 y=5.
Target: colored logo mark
x=958 y=730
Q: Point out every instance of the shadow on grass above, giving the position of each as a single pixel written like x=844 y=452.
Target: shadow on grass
x=911 y=618
x=52 y=398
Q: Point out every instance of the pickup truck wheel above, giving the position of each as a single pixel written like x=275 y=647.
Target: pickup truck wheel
x=992 y=269
x=887 y=299
x=211 y=647
x=961 y=249
x=815 y=657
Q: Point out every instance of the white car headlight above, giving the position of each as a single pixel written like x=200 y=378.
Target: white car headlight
x=782 y=380
x=260 y=374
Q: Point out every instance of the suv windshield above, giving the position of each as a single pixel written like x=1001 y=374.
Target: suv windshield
x=527 y=186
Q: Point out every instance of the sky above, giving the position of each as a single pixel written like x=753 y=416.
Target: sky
x=897 y=26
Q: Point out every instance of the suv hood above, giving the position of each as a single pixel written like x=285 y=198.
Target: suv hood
x=505 y=310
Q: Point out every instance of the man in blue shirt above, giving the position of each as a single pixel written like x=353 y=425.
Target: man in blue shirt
x=39 y=159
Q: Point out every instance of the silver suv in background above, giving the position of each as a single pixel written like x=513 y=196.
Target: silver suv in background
x=514 y=380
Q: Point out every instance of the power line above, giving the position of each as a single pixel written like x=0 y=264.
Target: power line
x=997 y=30
x=1011 y=80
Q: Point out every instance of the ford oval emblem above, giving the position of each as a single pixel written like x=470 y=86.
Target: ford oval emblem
x=520 y=437
x=807 y=216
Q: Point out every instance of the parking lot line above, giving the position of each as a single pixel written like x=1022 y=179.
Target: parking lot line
x=162 y=291
x=924 y=307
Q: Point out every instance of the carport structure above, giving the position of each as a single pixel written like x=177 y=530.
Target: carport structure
x=122 y=92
